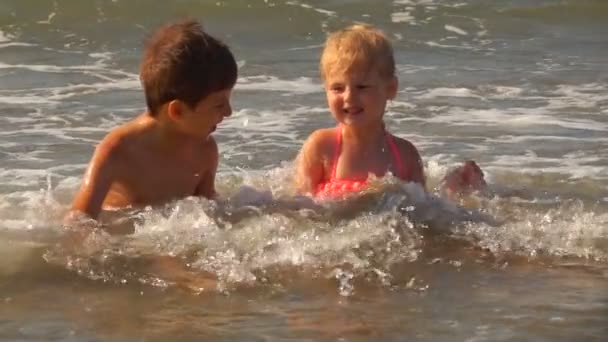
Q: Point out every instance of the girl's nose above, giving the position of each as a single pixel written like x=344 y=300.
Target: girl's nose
x=348 y=94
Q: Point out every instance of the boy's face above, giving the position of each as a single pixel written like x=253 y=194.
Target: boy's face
x=210 y=111
x=358 y=97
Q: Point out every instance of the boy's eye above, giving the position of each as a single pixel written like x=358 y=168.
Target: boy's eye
x=363 y=86
x=336 y=88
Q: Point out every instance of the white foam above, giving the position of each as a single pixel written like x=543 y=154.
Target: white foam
x=449 y=92
x=23 y=177
x=310 y=7
x=405 y=8
x=99 y=68
x=277 y=122
x=300 y=85
x=575 y=168
x=307 y=47
x=411 y=68
x=397 y=104
x=21 y=100
x=482 y=28
x=455 y=29
x=269 y=240
x=568 y=230
x=447 y=46
x=523 y=139
x=107 y=55
x=48 y=19
x=62 y=93
x=402 y=17
x=31 y=156
x=435 y=167
x=582 y=96
x=429 y=4
x=13 y=44
x=414 y=2
x=5 y=37
x=514 y=117
x=54 y=95
x=248 y=238
x=295 y=112
x=503 y=92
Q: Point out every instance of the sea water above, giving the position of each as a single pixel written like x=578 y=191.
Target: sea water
x=519 y=86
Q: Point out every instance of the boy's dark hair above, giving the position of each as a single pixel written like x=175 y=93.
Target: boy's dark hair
x=182 y=62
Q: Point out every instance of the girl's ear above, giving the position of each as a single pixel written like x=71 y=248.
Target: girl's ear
x=175 y=109
x=393 y=86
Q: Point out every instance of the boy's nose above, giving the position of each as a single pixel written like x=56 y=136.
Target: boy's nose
x=228 y=111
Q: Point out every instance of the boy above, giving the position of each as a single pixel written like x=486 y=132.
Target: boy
x=167 y=152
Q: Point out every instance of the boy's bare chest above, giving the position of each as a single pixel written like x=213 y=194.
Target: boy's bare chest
x=158 y=179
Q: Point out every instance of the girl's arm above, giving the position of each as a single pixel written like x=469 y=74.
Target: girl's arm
x=309 y=165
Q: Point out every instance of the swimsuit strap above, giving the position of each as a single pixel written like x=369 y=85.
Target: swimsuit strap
x=337 y=150
x=390 y=140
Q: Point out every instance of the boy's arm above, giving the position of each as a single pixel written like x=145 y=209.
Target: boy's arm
x=206 y=186
x=96 y=181
x=309 y=165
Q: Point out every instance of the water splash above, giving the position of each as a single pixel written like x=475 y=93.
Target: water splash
x=254 y=239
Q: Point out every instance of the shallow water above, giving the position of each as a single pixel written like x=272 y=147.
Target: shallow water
x=518 y=86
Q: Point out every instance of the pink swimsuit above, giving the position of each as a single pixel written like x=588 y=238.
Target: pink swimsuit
x=339 y=187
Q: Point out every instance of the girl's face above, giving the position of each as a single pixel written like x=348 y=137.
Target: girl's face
x=358 y=97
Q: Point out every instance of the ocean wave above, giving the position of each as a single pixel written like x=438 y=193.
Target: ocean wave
x=251 y=234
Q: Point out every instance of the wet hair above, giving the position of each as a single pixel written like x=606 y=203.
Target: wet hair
x=358 y=46
x=182 y=62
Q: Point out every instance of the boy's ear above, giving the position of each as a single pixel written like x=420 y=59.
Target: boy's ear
x=175 y=109
x=393 y=86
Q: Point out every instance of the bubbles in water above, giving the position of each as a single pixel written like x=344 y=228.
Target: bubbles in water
x=257 y=237
x=345 y=287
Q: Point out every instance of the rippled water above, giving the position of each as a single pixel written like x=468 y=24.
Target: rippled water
x=519 y=86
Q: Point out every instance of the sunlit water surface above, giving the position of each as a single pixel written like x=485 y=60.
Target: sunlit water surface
x=515 y=85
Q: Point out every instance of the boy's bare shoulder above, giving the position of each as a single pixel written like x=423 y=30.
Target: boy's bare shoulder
x=118 y=139
x=121 y=142
x=210 y=144
x=209 y=150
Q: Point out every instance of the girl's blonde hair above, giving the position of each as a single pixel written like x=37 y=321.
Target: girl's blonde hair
x=358 y=46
